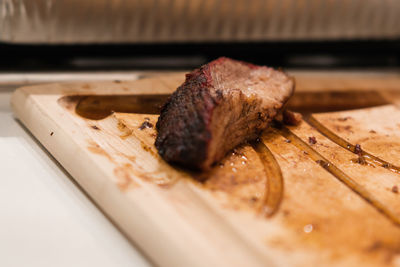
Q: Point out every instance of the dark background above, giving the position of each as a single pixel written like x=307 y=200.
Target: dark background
x=315 y=55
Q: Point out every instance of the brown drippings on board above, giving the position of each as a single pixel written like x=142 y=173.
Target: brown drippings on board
x=338 y=232
x=368 y=157
x=340 y=175
x=124 y=177
x=320 y=213
x=165 y=175
x=69 y=102
x=95 y=148
x=239 y=185
x=327 y=101
x=361 y=160
x=97 y=107
x=148 y=148
x=395 y=189
x=274 y=179
x=125 y=130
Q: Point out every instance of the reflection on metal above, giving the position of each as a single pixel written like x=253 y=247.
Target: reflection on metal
x=138 y=21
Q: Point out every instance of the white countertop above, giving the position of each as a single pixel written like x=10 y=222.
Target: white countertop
x=45 y=218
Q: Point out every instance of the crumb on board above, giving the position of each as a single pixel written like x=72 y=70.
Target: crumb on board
x=312 y=140
x=357 y=149
x=145 y=124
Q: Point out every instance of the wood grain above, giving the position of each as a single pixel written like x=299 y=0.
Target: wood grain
x=180 y=222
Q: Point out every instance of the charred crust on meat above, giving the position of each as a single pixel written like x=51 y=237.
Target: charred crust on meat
x=219 y=106
x=183 y=139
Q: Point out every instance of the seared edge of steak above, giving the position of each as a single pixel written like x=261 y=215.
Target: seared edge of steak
x=211 y=112
x=185 y=120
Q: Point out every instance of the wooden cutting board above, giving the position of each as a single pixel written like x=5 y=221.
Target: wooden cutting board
x=180 y=222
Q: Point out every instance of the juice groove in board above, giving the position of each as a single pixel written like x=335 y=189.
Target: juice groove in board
x=340 y=175
x=368 y=157
x=97 y=107
x=274 y=179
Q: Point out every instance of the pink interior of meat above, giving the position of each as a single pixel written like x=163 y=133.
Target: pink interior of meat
x=251 y=97
x=263 y=82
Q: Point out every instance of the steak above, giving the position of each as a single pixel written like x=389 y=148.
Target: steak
x=219 y=106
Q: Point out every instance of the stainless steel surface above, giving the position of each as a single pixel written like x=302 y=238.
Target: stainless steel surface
x=138 y=21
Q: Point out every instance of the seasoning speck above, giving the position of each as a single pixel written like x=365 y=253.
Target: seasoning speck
x=287 y=141
x=343 y=119
x=51 y=134
x=95 y=127
x=395 y=189
x=312 y=140
x=146 y=124
x=308 y=228
x=357 y=149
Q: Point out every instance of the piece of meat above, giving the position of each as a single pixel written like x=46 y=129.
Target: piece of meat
x=291 y=118
x=220 y=105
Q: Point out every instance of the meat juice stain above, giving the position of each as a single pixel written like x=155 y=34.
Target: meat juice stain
x=364 y=157
x=238 y=188
x=98 y=107
x=95 y=148
x=274 y=179
x=340 y=175
x=242 y=186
